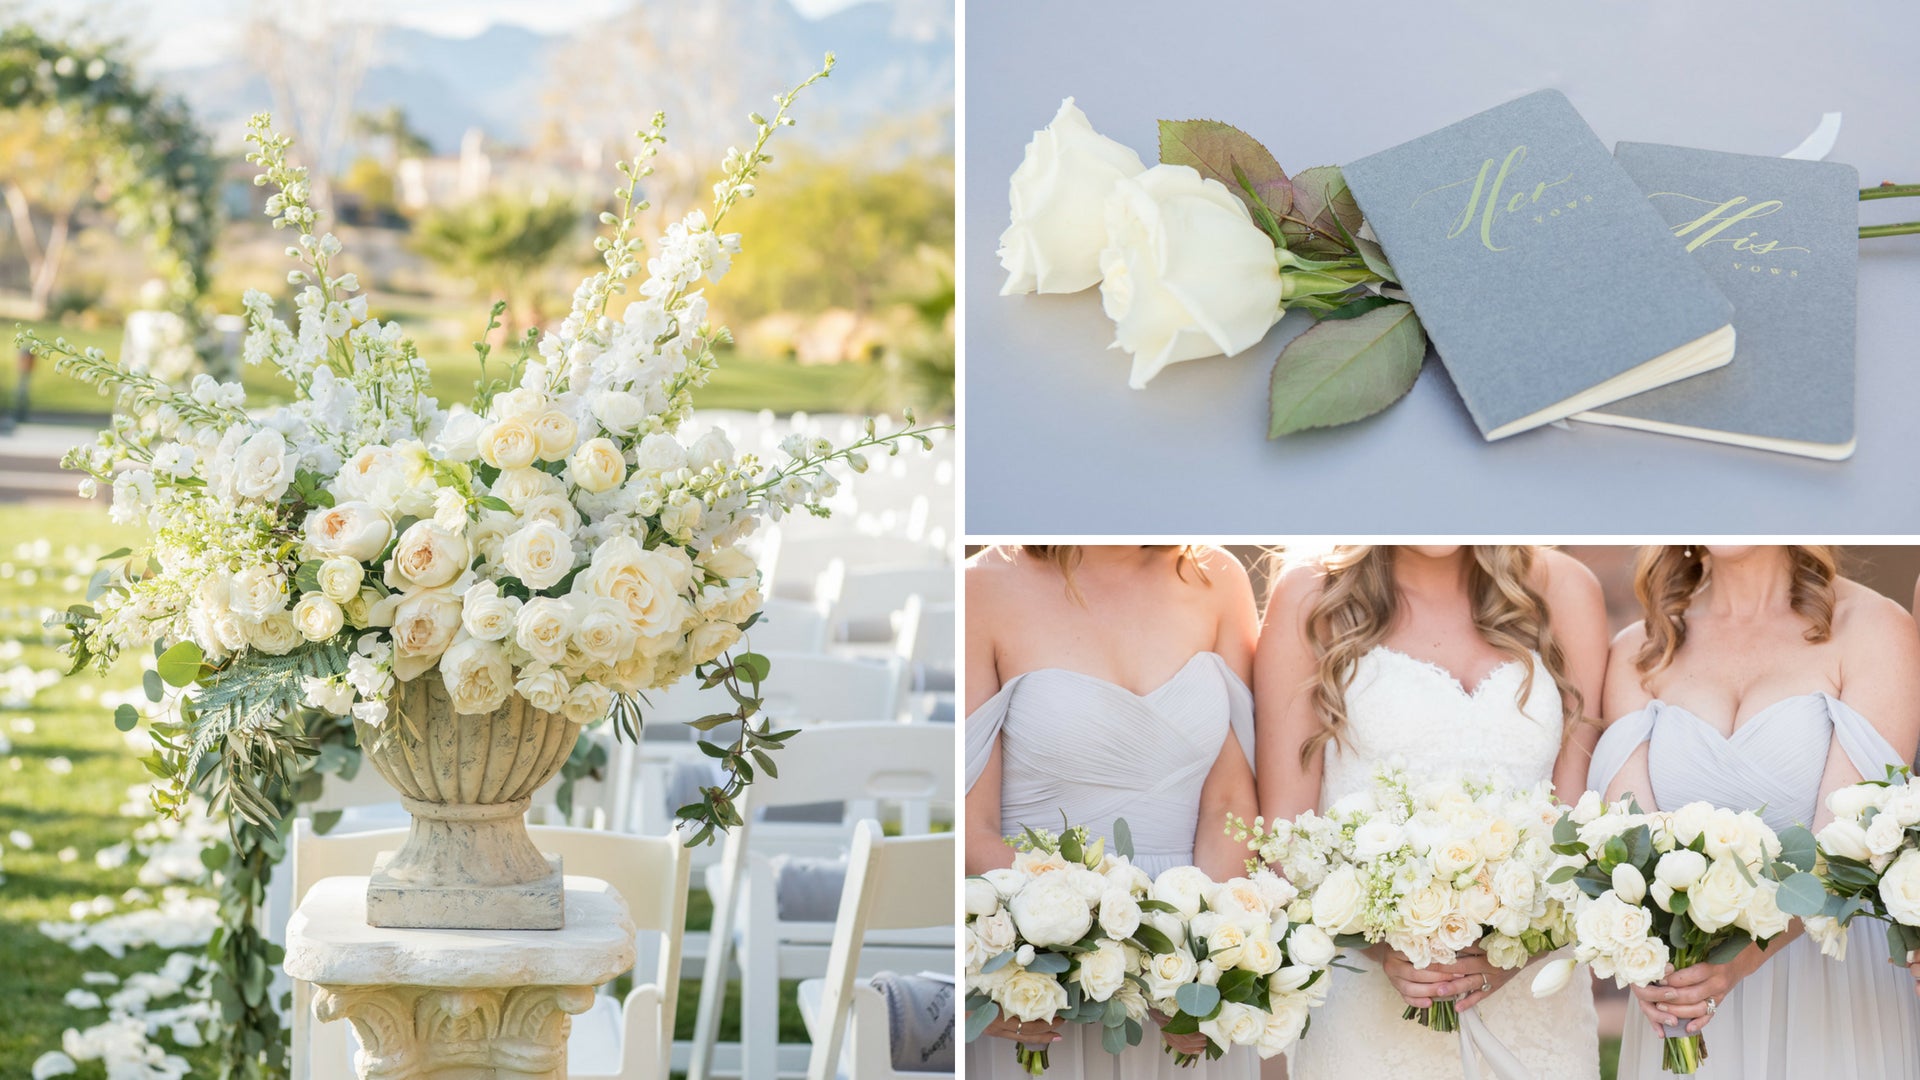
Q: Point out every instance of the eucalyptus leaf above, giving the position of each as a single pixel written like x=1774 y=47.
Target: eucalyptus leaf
x=978 y=1019
x=126 y=717
x=1197 y=999
x=1346 y=370
x=1802 y=895
x=1122 y=838
x=1217 y=150
x=1798 y=847
x=1047 y=963
x=180 y=665
x=1113 y=1039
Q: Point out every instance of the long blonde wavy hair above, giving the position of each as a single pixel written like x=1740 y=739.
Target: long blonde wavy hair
x=1668 y=577
x=1356 y=609
x=1066 y=557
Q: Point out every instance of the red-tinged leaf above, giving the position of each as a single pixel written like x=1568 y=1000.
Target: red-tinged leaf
x=1215 y=150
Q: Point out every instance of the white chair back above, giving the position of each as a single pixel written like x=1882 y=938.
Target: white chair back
x=792 y=562
x=789 y=626
x=862 y=602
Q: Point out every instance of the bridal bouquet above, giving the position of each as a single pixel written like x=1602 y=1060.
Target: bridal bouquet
x=1869 y=864
x=1693 y=885
x=1246 y=968
x=1062 y=934
x=1433 y=869
x=1202 y=253
x=559 y=535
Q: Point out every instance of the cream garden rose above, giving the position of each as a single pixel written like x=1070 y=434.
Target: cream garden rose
x=354 y=530
x=1058 y=195
x=317 y=617
x=424 y=624
x=477 y=675
x=426 y=557
x=598 y=465
x=539 y=554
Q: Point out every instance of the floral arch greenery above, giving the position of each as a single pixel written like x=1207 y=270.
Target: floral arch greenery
x=157 y=170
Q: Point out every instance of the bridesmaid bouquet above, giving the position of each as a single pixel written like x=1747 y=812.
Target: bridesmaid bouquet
x=1062 y=933
x=1694 y=885
x=1246 y=968
x=1433 y=869
x=1869 y=864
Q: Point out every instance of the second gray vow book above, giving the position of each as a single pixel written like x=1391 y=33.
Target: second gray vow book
x=1547 y=283
x=1781 y=239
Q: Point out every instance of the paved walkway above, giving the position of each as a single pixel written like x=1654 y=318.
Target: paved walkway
x=30 y=462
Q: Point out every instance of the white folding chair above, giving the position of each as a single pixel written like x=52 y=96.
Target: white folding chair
x=797 y=626
x=911 y=764
x=928 y=656
x=792 y=562
x=892 y=884
x=629 y=1039
x=863 y=603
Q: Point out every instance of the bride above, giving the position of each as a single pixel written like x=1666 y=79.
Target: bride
x=1442 y=660
x=1102 y=683
x=1762 y=680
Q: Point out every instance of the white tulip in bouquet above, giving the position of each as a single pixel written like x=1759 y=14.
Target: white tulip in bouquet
x=1681 y=887
x=560 y=535
x=1246 y=968
x=1433 y=868
x=1869 y=864
x=1061 y=935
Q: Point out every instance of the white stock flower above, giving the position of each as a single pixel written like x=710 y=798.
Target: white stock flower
x=1185 y=273
x=427 y=557
x=539 y=554
x=1058 y=193
x=477 y=676
x=317 y=618
x=597 y=465
x=351 y=530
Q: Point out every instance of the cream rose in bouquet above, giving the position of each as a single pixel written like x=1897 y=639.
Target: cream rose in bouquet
x=1868 y=864
x=1694 y=885
x=1246 y=968
x=1434 y=868
x=1062 y=935
x=564 y=535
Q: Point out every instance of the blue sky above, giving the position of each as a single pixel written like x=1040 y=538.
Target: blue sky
x=187 y=33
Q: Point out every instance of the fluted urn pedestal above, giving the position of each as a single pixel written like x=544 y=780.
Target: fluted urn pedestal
x=467 y=863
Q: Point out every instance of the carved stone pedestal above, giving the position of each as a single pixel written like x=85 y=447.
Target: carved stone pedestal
x=456 y=1004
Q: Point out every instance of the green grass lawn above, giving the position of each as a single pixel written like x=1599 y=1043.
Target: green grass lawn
x=79 y=809
x=743 y=382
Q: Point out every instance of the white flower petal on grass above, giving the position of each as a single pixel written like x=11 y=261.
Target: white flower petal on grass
x=53 y=1063
x=20 y=839
x=82 y=999
x=100 y=978
x=60 y=766
x=68 y=854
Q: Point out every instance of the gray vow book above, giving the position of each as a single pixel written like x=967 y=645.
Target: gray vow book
x=1781 y=239
x=1547 y=283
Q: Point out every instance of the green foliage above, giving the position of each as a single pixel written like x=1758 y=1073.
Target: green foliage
x=1343 y=369
x=500 y=244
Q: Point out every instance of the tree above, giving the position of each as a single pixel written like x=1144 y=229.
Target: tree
x=500 y=244
x=398 y=137
x=313 y=63
x=50 y=173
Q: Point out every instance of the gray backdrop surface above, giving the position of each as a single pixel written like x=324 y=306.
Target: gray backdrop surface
x=1057 y=443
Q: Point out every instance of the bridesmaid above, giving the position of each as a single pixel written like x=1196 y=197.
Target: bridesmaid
x=1761 y=680
x=1108 y=682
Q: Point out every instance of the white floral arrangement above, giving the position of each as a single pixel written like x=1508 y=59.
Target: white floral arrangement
x=558 y=536
x=1697 y=884
x=1061 y=934
x=1868 y=864
x=1247 y=967
x=1434 y=868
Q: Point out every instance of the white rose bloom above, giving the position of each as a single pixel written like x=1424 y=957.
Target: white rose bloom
x=275 y=635
x=424 y=624
x=1235 y=1025
x=539 y=554
x=681 y=517
x=1506 y=953
x=1182 y=886
x=1643 y=962
x=1225 y=941
x=426 y=557
x=554 y=432
x=543 y=628
x=996 y=931
x=1904 y=805
x=1588 y=808
x=1050 y=912
x=729 y=564
x=1455 y=857
x=1338 y=901
x=1103 y=971
x=710 y=639
x=1631 y=923
x=486 y=613
x=1900 y=888
x=982 y=898
x=509 y=444
x=518 y=487
x=477 y=676
x=1514 y=886
x=597 y=466
x=659 y=453
x=1284 y=1025
x=1884 y=832
x=1119 y=914
x=1845 y=838
x=1057 y=194
x=1260 y=955
x=1688 y=822
x=376 y=475
x=618 y=411
x=1309 y=945
x=1854 y=799
x=652 y=584
x=1680 y=868
x=589 y=703
x=262 y=469
x=257 y=592
x=1376 y=838
x=351 y=530
x=340 y=578
x=1185 y=273
x=1031 y=998
x=459 y=437
x=1763 y=918
x=1719 y=897
x=521 y=402
x=1427 y=907
x=602 y=630
x=1629 y=884
x=1168 y=972
x=317 y=618
x=544 y=688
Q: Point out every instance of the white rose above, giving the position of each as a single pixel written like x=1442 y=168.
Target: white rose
x=1854 y=799
x=459 y=437
x=659 y=453
x=1239 y=897
x=729 y=564
x=509 y=444
x=351 y=530
x=1641 y=963
x=274 y=635
x=1594 y=922
x=1050 y=912
x=317 y=618
x=1182 y=886
x=521 y=402
x=544 y=688
x=424 y=624
x=1338 y=901
x=618 y=411
x=1284 y=1025
x=602 y=631
x=1514 y=886
x=1719 y=897
x=996 y=931
x=257 y=592
x=1845 y=838
x=1506 y=953
x=710 y=639
x=1631 y=923
x=1004 y=881
x=1426 y=907
x=1456 y=932
x=1260 y=955
x=1225 y=940
x=262 y=469
x=681 y=517
x=518 y=487
x=1235 y=1025
x=1688 y=822
x=1454 y=857
x=1589 y=807
x=1900 y=889
x=1680 y=868
x=1763 y=918
x=1376 y=838
x=1057 y=194
x=1119 y=914
x=1185 y=273
x=1884 y=832
x=477 y=676
x=1031 y=998
x=597 y=466
x=1103 y=970
x=539 y=554
x=340 y=578
x=1629 y=884
x=1168 y=972
x=1497 y=838
x=426 y=557
x=486 y=613
x=589 y=703
x=652 y=584
x=543 y=627
x=554 y=432
x=1310 y=945
x=982 y=898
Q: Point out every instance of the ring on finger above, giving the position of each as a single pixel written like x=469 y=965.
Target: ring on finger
x=1712 y=1006
x=1486 y=984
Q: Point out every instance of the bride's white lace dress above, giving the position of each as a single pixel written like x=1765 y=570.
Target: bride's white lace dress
x=1406 y=712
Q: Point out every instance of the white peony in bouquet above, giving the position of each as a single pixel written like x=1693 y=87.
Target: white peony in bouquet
x=561 y=536
x=1246 y=968
x=1693 y=885
x=1432 y=868
x=1869 y=864
x=1060 y=935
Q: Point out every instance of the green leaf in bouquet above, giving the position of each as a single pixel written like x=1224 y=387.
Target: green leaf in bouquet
x=126 y=717
x=1678 y=903
x=325 y=820
x=1357 y=307
x=995 y=963
x=1152 y=940
x=1639 y=845
x=1049 y=963
x=1238 y=985
x=1158 y=905
x=1114 y=1014
x=180 y=665
x=1225 y=153
x=1114 y=1039
x=1798 y=847
x=1562 y=875
x=978 y=1019
x=1613 y=853
x=1135 y=1032
x=1183 y=1023
x=1591 y=887
x=1802 y=895
x=1122 y=838
x=1198 y=1000
x=1351 y=941
x=307 y=576
x=1323 y=210
x=1344 y=370
x=1070 y=848
x=752 y=667
x=154 y=686
x=1723 y=952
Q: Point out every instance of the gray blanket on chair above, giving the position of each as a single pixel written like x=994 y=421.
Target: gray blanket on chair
x=919 y=1021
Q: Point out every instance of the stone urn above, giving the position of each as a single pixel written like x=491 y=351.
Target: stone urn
x=467 y=862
